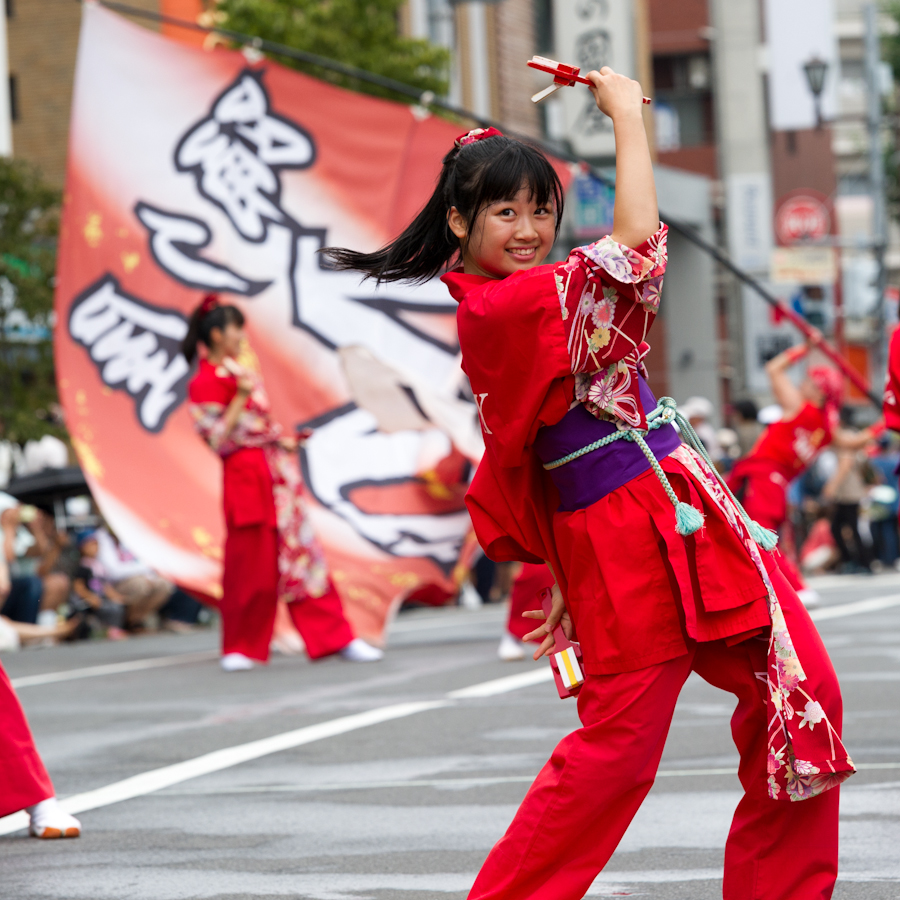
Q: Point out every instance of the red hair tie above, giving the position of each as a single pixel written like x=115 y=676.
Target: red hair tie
x=210 y=302
x=477 y=134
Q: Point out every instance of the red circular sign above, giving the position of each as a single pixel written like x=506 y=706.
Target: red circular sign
x=802 y=218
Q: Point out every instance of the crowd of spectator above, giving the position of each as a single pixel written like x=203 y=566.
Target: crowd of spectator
x=56 y=585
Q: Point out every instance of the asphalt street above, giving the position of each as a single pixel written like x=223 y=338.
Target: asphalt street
x=391 y=781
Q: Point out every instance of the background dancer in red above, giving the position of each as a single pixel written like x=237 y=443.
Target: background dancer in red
x=271 y=551
x=788 y=447
x=24 y=782
x=892 y=388
x=658 y=569
x=523 y=598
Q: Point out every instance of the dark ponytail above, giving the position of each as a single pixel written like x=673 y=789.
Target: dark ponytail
x=473 y=176
x=208 y=315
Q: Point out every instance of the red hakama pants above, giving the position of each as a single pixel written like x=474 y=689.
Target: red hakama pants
x=762 y=489
x=250 y=600
x=23 y=779
x=523 y=597
x=578 y=809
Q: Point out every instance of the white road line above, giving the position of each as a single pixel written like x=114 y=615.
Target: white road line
x=488 y=689
x=504 y=685
x=134 y=665
x=873 y=604
x=453 y=783
x=156 y=779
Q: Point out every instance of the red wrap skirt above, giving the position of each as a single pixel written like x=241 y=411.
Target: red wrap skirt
x=637 y=588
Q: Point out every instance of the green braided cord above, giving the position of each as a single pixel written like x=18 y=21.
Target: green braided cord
x=657 y=468
x=655 y=419
x=687 y=430
x=584 y=450
x=665 y=411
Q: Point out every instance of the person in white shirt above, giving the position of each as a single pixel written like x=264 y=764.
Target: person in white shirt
x=143 y=591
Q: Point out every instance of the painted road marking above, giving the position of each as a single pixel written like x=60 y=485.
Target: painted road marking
x=454 y=783
x=488 y=689
x=503 y=685
x=135 y=665
x=156 y=779
x=873 y=604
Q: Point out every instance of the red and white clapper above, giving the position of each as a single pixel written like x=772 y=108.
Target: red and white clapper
x=565 y=661
x=563 y=76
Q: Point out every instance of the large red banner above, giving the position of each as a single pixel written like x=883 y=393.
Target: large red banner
x=191 y=171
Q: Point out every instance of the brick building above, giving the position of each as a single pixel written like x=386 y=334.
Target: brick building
x=42 y=41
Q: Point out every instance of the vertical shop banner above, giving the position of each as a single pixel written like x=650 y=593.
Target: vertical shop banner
x=193 y=171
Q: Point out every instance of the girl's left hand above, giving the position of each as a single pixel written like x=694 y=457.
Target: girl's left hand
x=544 y=633
x=287 y=443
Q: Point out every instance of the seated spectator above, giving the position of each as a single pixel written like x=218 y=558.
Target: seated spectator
x=23 y=603
x=143 y=592
x=93 y=589
x=51 y=549
x=181 y=613
x=18 y=634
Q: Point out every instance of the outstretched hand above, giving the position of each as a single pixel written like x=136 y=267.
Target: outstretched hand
x=544 y=632
x=617 y=95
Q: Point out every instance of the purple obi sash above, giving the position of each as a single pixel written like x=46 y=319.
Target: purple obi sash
x=591 y=477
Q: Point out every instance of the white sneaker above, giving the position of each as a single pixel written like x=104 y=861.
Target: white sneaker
x=49 y=820
x=359 y=651
x=511 y=649
x=809 y=598
x=236 y=662
x=469 y=598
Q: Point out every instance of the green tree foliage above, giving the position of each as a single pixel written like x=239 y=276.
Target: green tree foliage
x=29 y=223
x=361 y=33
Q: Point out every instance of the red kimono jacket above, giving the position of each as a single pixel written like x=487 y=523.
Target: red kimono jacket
x=538 y=342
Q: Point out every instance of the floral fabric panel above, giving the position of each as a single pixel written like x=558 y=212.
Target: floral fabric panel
x=609 y=296
x=806 y=755
x=302 y=569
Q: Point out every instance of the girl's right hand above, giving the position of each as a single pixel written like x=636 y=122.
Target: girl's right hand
x=245 y=385
x=559 y=615
x=617 y=96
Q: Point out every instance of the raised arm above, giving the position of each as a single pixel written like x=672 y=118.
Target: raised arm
x=787 y=394
x=636 y=212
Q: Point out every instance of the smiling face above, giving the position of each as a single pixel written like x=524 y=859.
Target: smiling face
x=507 y=236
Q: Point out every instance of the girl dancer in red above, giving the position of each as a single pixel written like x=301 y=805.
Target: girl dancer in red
x=656 y=565
x=788 y=447
x=271 y=551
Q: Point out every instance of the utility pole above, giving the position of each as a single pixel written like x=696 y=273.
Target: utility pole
x=876 y=185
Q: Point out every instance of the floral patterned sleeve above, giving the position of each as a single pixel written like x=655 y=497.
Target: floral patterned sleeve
x=210 y=396
x=209 y=422
x=609 y=296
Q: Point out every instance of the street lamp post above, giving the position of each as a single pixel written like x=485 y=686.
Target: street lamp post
x=816 y=70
